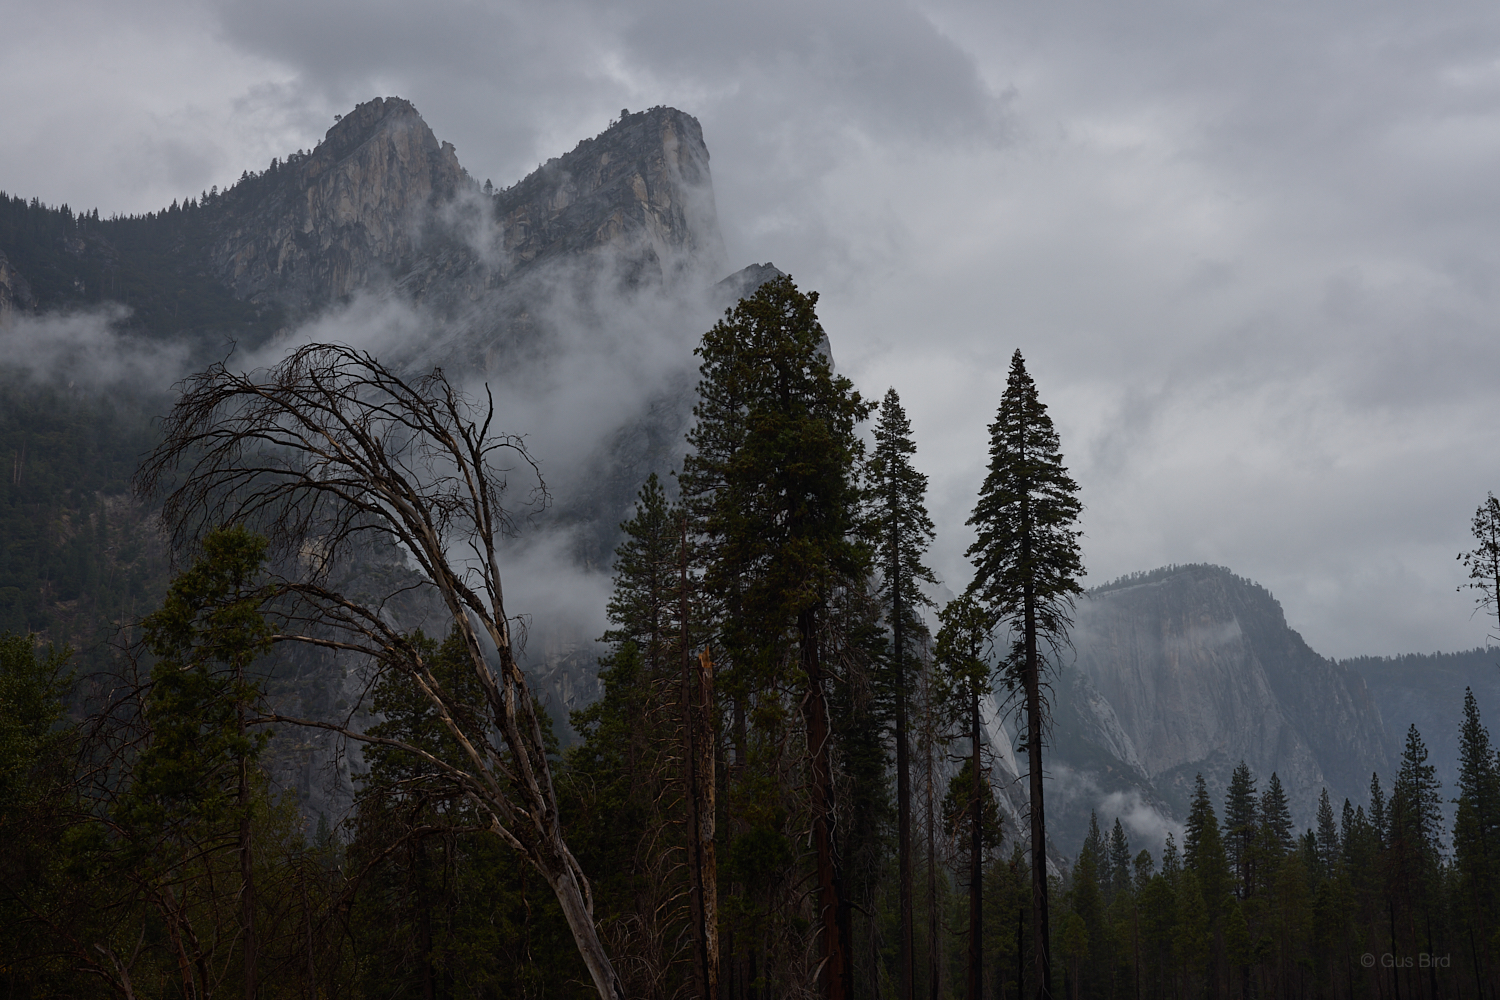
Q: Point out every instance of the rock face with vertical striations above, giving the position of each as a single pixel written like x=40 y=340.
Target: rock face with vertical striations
x=1192 y=669
x=643 y=185
x=15 y=292
x=381 y=202
x=349 y=214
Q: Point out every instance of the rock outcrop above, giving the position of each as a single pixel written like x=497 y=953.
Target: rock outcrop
x=347 y=215
x=382 y=202
x=15 y=292
x=1192 y=669
x=642 y=185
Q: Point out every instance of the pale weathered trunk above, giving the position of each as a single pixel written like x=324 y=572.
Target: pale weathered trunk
x=564 y=883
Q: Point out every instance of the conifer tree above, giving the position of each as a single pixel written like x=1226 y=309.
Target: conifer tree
x=1377 y=814
x=1119 y=861
x=1027 y=564
x=202 y=760
x=1483 y=562
x=628 y=776
x=1329 y=851
x=1240 y=810
x=903 y=531
x=1203 y=845
x=1415 y=809
x=1089 y=967
x=771 y=486
x=965 y=679
x=1476 y=829
x=1276 y=816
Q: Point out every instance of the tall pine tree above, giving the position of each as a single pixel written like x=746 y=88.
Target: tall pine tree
x=965 y=678
x=1483 y=562
x=903 y=530
x=1027 y=564
x=771 y=484
x=1476 y=829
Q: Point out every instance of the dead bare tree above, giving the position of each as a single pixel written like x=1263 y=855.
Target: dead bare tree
x=330 y=451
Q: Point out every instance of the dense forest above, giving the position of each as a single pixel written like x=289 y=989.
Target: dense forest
x=783 y=791
x=151 y=264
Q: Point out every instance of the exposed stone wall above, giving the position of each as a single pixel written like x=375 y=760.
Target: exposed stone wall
x=349 y=214
x=15 y=293
x=1201 y=670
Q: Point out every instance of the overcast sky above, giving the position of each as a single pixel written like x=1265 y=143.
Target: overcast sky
x=1249 y=250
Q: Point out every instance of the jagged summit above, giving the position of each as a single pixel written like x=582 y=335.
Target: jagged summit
x=643 y=180
x=347 y=214
x=382 y=203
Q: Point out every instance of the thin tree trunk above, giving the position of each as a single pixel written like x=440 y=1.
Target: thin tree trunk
x=830 y=892
x=932 y=913
x=976 y=869
x=708 y=872
x=903 y=786
x=699 y=803
x=1020 y=954
x=247 y=860
x=1041 y=949
x=312 y=969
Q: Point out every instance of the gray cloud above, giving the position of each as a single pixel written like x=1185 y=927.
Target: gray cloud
x=82 y=350
x=1247 y=249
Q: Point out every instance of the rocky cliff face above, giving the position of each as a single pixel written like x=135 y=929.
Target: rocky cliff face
x=15 y=293
x=347 y=215
x=381 y=202
x=643 y=185
x=1192 y=669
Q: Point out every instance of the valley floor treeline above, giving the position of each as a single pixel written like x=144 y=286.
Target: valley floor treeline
x=784 y=790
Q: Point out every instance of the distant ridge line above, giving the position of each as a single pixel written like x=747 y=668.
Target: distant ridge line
x=1173 y=569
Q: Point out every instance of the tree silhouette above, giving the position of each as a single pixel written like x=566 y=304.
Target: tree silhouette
x=1027 y=564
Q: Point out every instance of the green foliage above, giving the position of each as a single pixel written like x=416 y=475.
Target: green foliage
x=442 y=907
x=1241 y=824
x=74 y=551
x=152 y=263
x=33 y=685
x=1026 y=555
x=205 y=636
x=961 y=675
x=771 y=479
x=901 y=527
x=958 y=808
x=1276 y=817
x=1476 y=828
x=1483 y=562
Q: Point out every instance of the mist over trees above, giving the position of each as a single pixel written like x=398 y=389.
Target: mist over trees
x=786 y=788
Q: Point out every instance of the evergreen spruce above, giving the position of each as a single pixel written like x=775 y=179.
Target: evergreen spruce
x=1027 y=564
x=902 y=530
x=1328 y=847
x=1276 y=816
x=771 y=488
x=1377 y=815
x=1483 y=562
x=1119 y=862
x=1476 y=830
x=1241 y=809
x=964 y=678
